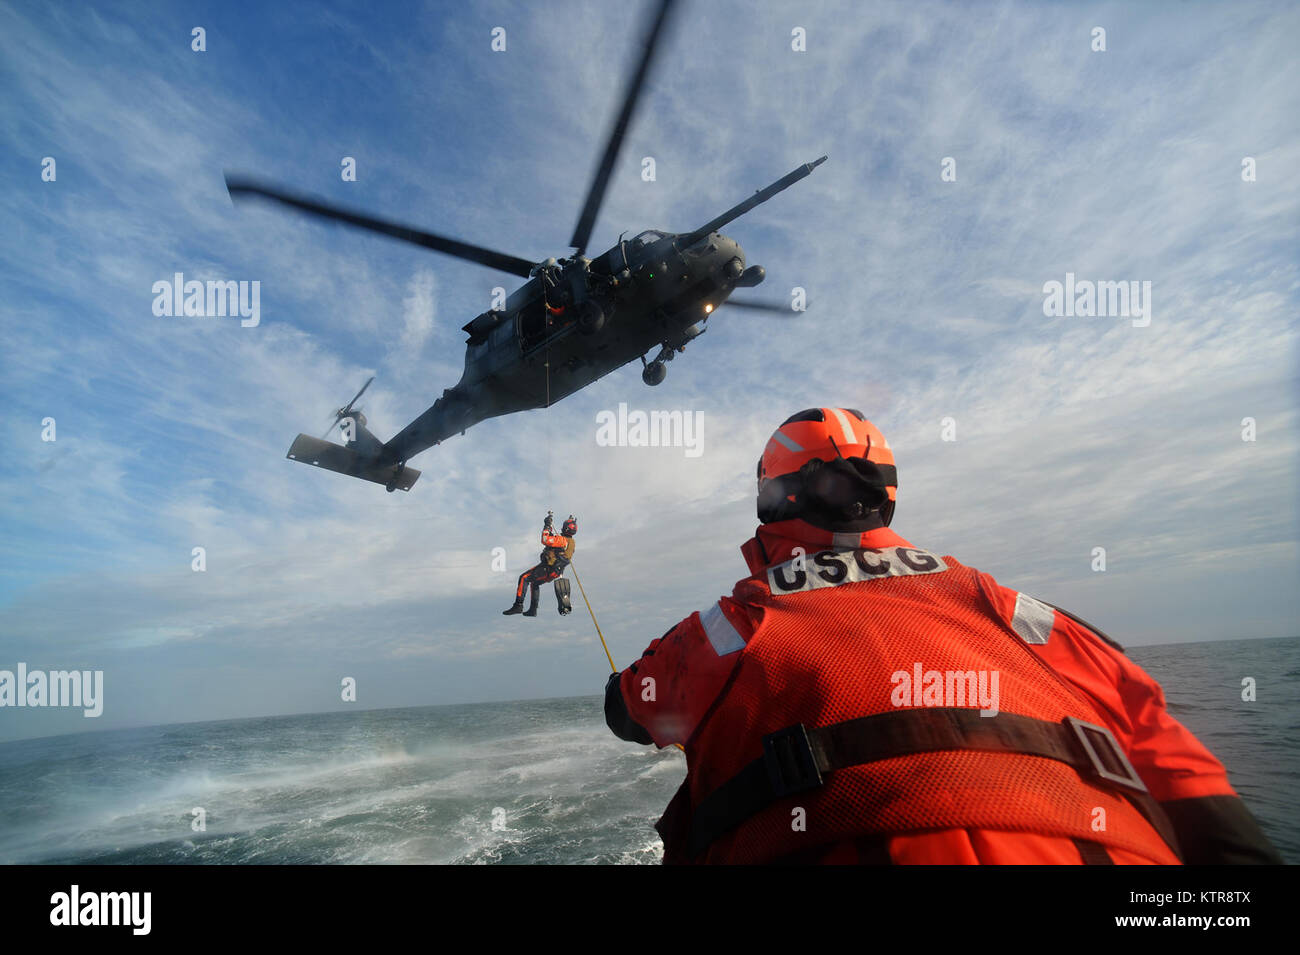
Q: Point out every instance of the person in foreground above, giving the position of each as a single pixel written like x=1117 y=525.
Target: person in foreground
x=858 y=699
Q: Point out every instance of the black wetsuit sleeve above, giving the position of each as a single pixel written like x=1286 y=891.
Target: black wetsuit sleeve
x=616 y=715
x=1219 y=830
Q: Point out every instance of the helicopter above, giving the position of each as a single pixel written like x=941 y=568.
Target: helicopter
x=575 y=319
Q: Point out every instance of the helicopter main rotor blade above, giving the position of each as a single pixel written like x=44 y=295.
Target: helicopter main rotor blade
x=239 y=186
x=738 y=210
x=600 y=181
x=773 y=307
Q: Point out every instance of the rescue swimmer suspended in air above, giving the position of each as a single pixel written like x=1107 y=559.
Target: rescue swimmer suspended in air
x=557 y=552
x=574 y=321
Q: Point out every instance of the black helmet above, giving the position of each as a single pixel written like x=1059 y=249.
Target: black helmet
x=569 y=527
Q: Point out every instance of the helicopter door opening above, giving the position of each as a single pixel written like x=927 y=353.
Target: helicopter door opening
x=536 y=323
x=533 y=325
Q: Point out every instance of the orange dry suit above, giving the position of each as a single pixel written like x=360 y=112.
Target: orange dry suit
x=862 y=700
x=556 y=553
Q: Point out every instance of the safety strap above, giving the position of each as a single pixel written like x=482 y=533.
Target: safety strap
x=1092 y=853
x=795 y=759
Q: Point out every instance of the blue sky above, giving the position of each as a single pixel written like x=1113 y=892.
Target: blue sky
x=926 y=302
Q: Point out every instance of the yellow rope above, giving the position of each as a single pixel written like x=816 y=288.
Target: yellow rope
x=593 y=617
x=550 y=444
x=598 y=633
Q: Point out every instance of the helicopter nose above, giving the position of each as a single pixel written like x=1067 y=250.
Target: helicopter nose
x=728 y=255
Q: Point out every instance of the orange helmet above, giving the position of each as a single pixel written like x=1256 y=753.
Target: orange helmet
x=826 y=436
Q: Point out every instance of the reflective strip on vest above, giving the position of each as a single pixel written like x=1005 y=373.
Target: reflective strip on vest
x=1033 y=619
x=724 y=637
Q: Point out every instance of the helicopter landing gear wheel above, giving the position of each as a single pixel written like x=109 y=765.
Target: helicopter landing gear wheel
x=591 y=317
x=653 y=373
x=391 y=486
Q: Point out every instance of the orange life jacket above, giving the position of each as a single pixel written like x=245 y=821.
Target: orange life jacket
x=557 y=547
x=845 y=634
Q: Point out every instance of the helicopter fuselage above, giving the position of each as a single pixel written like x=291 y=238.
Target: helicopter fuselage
x=576 y=321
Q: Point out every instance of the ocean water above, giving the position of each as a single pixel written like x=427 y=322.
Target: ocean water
x=540 y=781
x=1259 y=742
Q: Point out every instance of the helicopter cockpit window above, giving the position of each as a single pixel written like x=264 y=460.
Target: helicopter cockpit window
x=646 y=238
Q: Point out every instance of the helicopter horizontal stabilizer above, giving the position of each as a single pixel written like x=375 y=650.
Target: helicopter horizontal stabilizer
x=335 y=457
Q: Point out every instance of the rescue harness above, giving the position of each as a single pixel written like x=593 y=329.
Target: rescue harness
x=797 y=758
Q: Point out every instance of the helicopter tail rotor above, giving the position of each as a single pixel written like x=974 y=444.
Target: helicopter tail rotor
x=346 y=410
x=362 y=455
